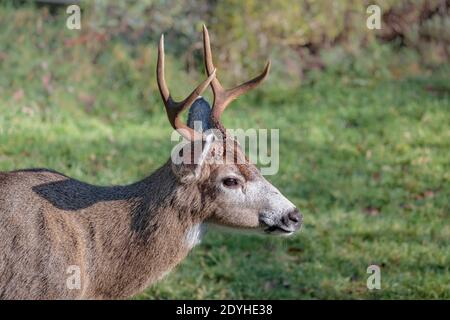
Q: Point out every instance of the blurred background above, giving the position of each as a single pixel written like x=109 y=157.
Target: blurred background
x=364 y=119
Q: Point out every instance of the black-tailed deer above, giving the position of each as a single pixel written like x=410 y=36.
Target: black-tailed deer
x=118 y=240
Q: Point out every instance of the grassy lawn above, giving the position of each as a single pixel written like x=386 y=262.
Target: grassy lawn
x=367 y=162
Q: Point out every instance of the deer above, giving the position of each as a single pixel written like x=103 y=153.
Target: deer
x=122 y=239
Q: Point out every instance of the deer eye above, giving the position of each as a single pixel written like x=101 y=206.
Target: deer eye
x=230 y=182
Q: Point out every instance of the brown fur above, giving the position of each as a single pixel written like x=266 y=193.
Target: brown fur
x=123 y=238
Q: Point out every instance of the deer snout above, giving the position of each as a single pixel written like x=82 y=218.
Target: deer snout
x=279 y=215
x=292 y=220
x=285 y=224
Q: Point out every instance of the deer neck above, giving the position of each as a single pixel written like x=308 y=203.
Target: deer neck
x=153 y=232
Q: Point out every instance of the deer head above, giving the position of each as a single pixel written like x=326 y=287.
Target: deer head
x=229 y=189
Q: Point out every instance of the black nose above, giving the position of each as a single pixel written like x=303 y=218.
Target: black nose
x=293 y=219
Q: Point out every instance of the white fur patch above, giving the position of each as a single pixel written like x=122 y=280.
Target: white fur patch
x=275 y=205
x=194 y=235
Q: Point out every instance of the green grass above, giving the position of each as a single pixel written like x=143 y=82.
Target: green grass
x=367 y=162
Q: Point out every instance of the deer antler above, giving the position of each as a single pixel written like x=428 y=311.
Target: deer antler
x=223 y=97
x=174 y=108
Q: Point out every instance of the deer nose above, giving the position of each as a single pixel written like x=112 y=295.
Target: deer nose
x=293 y=219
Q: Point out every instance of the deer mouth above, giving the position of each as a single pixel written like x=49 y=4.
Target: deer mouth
x=271 y=228
x=274 y=227
x=278 y=230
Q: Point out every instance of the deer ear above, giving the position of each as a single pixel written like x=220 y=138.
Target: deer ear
x=188 y=162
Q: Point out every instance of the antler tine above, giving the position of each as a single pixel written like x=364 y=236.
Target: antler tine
x=173 y=108
x=223 y=97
